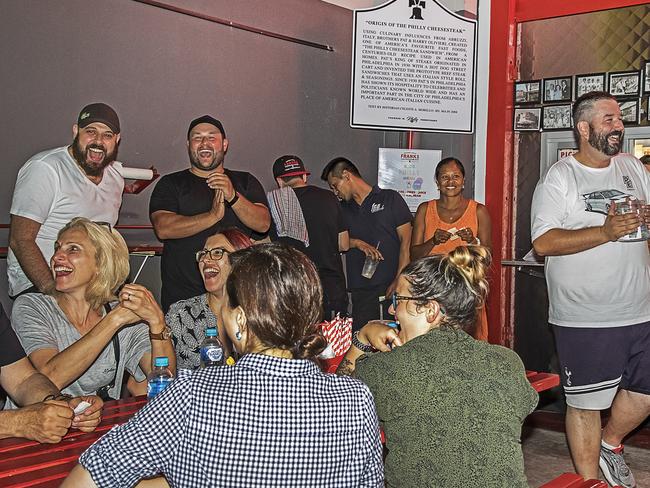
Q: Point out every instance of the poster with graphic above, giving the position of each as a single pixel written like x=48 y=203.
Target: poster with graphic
x=413 y=68
x=411 y=172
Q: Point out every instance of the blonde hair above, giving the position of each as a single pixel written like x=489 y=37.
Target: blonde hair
x=457 y=281
x=111 y=258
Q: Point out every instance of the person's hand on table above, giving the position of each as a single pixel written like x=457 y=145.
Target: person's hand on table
x=90 y=418
x=379 y=335
x=45 y=422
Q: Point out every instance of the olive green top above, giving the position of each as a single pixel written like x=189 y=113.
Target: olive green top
x=451 y=408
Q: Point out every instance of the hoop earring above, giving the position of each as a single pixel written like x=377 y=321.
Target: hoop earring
x=238 y=335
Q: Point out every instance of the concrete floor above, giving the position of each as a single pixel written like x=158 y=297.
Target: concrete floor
x=546 y=456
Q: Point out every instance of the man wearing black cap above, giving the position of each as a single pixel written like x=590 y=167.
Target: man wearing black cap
x=188 y=206
x=54 y=186
x=310 y=219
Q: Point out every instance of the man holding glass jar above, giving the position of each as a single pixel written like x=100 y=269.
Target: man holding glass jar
x=598 y=286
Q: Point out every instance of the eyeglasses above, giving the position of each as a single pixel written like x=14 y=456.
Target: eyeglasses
x=104 y=224
x=396 y=298
x=215 y=254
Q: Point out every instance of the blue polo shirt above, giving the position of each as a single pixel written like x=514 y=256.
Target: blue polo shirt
x=375 y=220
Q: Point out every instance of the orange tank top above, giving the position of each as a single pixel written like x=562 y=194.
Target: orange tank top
x=469 y=219
x=432 y=221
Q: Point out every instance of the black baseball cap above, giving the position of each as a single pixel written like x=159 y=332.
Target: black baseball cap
x=206 y=119
x=289 y=166
x=99 y=112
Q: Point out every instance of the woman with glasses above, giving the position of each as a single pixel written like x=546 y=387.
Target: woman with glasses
x=84 y=336
x=451 y=406
x=451 y=221
x=188 y=319
x=273 y=419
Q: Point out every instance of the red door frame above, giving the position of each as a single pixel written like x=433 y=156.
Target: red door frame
x=504 y=17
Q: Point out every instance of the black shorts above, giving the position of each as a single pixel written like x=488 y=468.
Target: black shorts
x=596 y=362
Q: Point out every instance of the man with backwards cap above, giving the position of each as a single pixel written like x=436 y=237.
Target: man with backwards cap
x=321 y=234
x=52 y=187
x=188 y=206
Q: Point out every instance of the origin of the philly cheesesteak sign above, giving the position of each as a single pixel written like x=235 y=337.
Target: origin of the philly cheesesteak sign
x=413 y=68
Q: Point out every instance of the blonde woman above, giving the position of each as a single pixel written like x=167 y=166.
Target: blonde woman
x=451 y=406
x=83 y=336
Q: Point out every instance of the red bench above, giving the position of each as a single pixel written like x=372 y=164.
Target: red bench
x=572 y=480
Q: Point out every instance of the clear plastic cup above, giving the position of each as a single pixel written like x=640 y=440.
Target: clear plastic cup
x=642 y=233
x=369 y=267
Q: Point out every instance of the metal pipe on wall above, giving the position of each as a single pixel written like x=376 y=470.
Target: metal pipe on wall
x=234 y=25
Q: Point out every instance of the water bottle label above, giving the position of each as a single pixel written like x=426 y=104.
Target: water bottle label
x=156 y=386
x=211 y=354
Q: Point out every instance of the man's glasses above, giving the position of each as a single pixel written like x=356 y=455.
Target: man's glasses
x=395 y=298
x=215 y=254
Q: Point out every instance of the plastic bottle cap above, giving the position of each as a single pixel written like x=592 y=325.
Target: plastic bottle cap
x=211 y=332
x=162 y=361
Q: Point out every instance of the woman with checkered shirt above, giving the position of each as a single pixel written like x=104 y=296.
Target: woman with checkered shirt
x=273 y=419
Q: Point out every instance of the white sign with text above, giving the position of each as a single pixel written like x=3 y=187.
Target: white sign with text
x=411 y=172
x=413 y=68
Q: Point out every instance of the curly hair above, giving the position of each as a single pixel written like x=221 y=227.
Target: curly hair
x=457 y=281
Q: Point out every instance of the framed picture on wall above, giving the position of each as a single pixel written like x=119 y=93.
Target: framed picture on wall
x=558 y=89
x=528 y=92
x=527 y=118
x=646 y=77
x=624 y=83
x=557 y=117
x=629 y=111
x=590 y=82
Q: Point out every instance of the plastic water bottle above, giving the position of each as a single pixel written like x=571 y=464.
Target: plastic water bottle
x=211 y=350
x=159 y=377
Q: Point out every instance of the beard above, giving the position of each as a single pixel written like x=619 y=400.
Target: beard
x=195 y=160
x=599 y=141
x=90 y=167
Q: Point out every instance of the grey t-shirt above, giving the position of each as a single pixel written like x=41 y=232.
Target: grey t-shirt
x=40 y=323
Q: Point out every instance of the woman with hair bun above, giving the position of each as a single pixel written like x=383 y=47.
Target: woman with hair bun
x=272 y=419
x=451 y=406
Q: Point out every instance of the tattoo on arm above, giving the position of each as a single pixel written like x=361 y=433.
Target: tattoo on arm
x=346 y=368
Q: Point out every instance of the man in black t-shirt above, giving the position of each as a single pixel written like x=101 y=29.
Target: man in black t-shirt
x=188 y=206
x=327 y=235
x=47 y=415
x=375 y=218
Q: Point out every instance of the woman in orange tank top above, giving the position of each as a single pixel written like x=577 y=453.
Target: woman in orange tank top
x=451 y=221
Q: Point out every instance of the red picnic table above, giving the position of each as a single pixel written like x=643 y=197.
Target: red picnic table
x=26 y=463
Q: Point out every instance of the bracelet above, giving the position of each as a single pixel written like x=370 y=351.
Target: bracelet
x=360 y=345
x=60 y=396
x=230 y=203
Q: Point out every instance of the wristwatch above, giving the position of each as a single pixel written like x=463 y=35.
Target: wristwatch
x=162 y=336
x=230 y=203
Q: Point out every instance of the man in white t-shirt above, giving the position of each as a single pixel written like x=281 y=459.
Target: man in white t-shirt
x=54 y=186
x=598 y=286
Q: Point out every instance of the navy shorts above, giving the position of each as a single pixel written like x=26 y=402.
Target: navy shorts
x=596 y=362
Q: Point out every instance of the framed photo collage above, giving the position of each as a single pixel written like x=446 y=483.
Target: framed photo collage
x=546 y=104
